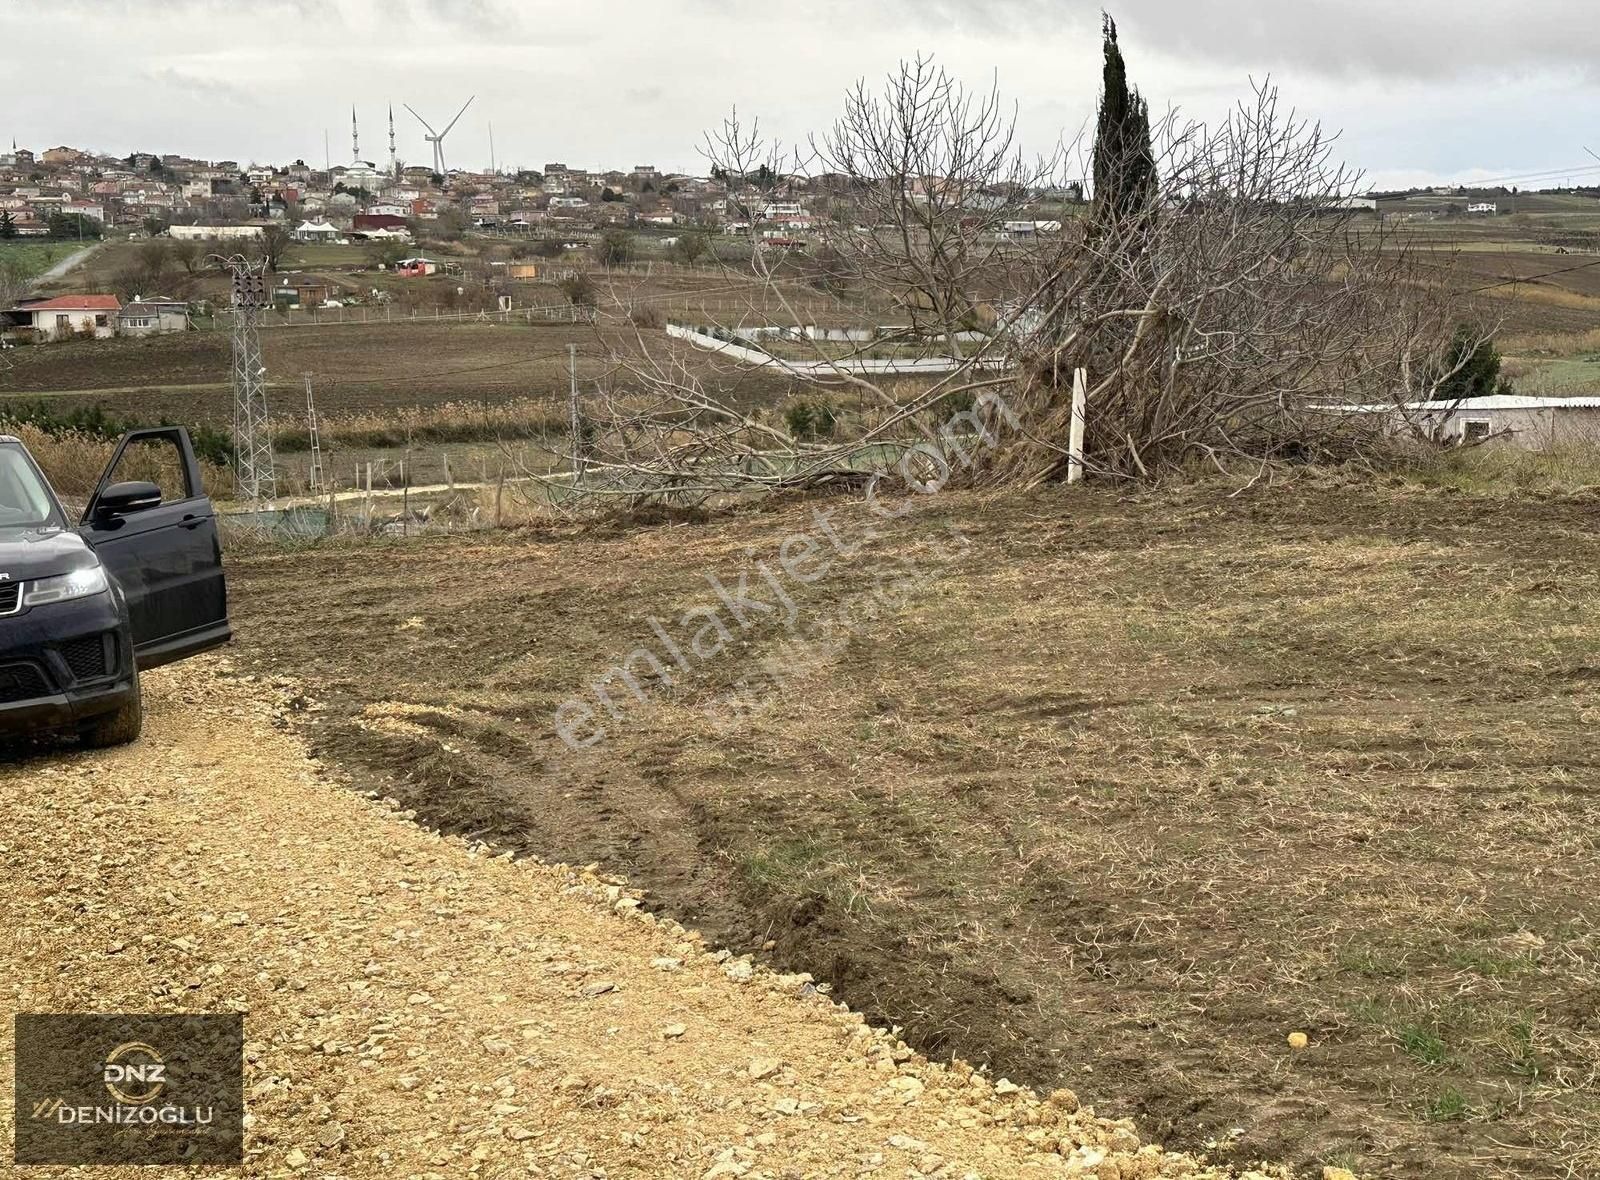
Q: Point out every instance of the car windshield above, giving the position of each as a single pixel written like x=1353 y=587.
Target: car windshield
x=25 y=502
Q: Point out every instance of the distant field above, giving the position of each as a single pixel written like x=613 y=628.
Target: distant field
x=356 y=369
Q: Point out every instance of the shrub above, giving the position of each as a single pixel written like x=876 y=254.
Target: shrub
x=810 y=420
x=615 y=248
x=580 y=290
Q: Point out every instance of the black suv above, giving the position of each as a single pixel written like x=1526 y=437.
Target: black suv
x=135 y=584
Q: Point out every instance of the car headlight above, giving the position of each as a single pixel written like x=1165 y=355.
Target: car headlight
x=78 y=584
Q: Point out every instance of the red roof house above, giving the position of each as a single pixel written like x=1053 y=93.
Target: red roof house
x=67 y=315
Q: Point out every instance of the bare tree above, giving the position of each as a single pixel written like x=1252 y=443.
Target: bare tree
x=1222 y=318
x=1220 y=310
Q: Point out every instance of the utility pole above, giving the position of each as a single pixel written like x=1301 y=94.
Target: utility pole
x=314 y=482
x=254 y=474
x=577 y=426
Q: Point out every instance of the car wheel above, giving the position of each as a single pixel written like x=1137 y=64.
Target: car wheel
x=121 y=727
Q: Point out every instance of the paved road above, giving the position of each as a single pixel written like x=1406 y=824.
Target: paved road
x=418 y=1009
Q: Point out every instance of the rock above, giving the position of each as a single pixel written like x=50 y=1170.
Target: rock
x=1298 y=1040
x=598 y=988
x=332 y=1135
x=763 y=1067
x=739 y=971
x=1332 y=1173
x=673 y=1031
x=296 y=1158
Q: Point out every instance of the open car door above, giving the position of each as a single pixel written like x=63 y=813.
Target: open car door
x=156 y=533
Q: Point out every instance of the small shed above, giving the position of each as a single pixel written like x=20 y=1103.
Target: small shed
x=1528 y=423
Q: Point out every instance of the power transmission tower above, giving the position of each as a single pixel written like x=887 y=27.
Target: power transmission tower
x=315 y=480
x=252 y=431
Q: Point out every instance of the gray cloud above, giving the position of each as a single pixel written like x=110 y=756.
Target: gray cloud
x=1423 y=89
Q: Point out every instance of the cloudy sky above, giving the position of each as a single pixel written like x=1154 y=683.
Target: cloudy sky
x=1423 y=90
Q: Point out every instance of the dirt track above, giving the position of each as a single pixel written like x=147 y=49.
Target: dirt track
x=430 y=1011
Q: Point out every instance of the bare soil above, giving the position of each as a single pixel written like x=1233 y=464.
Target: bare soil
x=415 y=1007
x=1116 y=794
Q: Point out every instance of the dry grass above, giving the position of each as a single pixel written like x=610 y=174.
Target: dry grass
x=74 y=461
x=1505 y=470
x=423 y=425
x=1552 y=343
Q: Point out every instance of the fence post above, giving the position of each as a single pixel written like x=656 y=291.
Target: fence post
x=1080 y=398
x=499 y=494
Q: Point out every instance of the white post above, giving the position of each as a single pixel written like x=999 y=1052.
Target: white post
x=1080 y=397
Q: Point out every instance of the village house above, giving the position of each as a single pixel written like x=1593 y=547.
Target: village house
x=296 y=290
x=152 y=316
x=67 y=315
x=317 y=231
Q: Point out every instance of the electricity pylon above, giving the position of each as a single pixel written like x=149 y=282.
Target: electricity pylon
x=254 y=473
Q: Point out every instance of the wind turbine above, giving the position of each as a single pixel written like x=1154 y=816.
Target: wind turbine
x=436 y=138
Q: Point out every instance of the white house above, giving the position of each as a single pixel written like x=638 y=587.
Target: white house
x=317 y=231
x=1486 y=208
x=67 y=315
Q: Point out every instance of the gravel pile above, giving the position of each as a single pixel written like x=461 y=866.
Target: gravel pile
x=416 y=1007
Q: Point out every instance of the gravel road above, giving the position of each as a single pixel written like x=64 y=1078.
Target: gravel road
x=415 y=1007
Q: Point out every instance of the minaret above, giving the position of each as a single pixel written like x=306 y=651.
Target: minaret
x=394 y=160
x=355 y=137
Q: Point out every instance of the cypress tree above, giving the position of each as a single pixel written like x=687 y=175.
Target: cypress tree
x=1124 y=164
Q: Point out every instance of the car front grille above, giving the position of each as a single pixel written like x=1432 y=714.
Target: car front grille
x=21 y=682
x=86 y=657
x=10 y=597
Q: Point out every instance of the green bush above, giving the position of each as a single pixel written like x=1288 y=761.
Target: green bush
x=810 y=420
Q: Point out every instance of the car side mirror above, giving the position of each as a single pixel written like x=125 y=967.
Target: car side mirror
x=121 y=499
